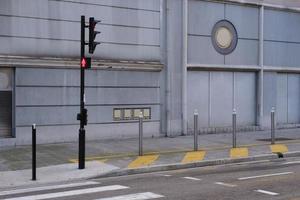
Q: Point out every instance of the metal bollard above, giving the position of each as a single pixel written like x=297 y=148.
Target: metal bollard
x=195 y=130
x=141 y=134
x=33 y=152
x=234 y=128
x=273 y=125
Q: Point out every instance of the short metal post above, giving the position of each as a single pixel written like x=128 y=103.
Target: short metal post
x=81 y=152
x=33 y=152
x=273 y=125
x=141 y=134
x=195 y=130
x=234 y=128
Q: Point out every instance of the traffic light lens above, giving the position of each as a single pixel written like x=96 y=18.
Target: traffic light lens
x=83 y=62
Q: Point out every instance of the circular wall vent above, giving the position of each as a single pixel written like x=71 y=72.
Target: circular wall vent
x=224 y=37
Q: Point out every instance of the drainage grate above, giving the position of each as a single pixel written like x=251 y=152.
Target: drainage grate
x=277 y=139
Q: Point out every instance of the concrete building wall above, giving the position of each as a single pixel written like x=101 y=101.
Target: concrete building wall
x=174 y=66
x=215 y=94
x=203 y=15
x=288 y=98
x=261 y=73
x=281 y=38
x=50 y=99
x=281 y=47
x=129 y=28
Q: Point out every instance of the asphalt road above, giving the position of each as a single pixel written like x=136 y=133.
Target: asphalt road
x=277 y=179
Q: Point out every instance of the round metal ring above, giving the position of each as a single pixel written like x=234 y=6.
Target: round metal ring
x=224 y=37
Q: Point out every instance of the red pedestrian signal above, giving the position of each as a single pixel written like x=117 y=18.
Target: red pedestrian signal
x=85 y=63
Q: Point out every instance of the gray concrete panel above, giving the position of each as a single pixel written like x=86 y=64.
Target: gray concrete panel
x=63 y=115
x=201 y=50
x=63 y=10
x=138 y=4
x=293 y=98
x=35 y=28
x=128 y=52
x=71 y=77
x=52 y=28
x=202 y=16
x=174 y=31
x=110 y=15
x=270 y=94
x=246 y=53
x=282 y=98
x=221 y=98
x=245 y=19
x=282 y=26
x=61 y=48
x=37 y=96
x=245 y=98
x=69 y=133
x=198 y=98
x=281 y=54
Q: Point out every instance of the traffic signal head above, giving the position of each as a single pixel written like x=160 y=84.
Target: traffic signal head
x=85 y=116
x=92 y=35
x=85 y=63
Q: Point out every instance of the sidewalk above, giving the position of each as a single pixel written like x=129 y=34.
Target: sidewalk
x=60 y=160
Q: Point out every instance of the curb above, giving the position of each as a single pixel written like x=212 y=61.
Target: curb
x=177 y=166
x=291 y=154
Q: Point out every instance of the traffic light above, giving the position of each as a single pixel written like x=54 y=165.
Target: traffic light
x=92 y=35
x=85 y=63
x=83 y=116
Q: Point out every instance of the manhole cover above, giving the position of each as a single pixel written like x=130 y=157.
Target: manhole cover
x=277 y=139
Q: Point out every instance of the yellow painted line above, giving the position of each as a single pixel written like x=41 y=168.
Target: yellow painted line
x=73 y=160
x=213 y=148
x=193 y=156
x=143 y=161
x=238 y=152
x=279 y=148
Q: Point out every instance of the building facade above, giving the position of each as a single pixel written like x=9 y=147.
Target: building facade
x=165 y=58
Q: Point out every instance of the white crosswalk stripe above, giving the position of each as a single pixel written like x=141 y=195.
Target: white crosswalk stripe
x=267 y=192
x=72 y=190
x=192 y=178
x=50 y=187
x=137 y=196
x=70 y=193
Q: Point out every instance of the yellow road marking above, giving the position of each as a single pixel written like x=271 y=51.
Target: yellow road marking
x=183 y=150
x=143 y=161
x=279 y=148
x=193 y=156
x=73 y=160
x=238 y=152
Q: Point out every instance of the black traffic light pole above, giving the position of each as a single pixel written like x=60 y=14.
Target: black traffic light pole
x=81 y=156
x=85 y=63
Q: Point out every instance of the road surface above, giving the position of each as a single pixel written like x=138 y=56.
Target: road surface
x=277 y=179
